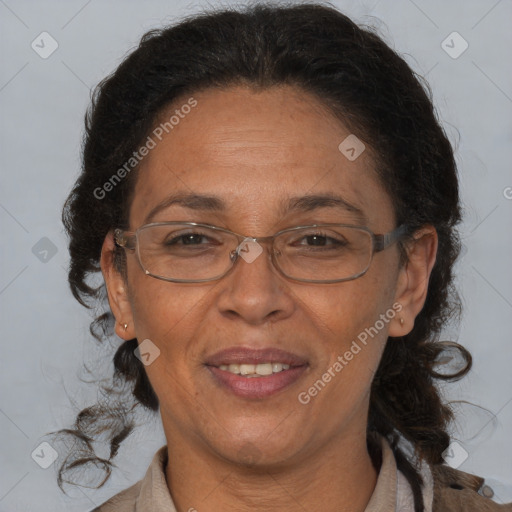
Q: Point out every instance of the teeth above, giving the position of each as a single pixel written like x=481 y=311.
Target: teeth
x=246 y=369
x=254 y=370
x=264 y=369
x=234 y=368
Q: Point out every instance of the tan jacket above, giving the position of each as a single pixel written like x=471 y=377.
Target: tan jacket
x=446 y=490
x=458 y=491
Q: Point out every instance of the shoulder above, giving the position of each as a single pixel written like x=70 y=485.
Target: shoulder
x=150 y=493
x=456 y=491
x=124 y=501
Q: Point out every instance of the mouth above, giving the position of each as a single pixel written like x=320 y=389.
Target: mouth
x=254 y=370
x=250 y=373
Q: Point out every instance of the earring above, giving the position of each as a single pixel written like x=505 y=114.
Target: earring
x=125 y=326
x=401 y=321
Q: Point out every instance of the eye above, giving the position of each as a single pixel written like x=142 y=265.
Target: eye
x=186 y=239
x=321 y=239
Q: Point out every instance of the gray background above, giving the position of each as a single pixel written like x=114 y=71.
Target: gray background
x=45 y=332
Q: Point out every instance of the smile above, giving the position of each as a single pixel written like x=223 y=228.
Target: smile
x=254 y=370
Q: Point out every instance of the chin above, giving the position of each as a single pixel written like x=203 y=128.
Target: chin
x=262 y=451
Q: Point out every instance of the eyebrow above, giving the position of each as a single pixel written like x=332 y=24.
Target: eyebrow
x=307 y=203
x=315 y=201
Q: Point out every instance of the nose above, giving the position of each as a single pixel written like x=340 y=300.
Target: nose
x=254 y=290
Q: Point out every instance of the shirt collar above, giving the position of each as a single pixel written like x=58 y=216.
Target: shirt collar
x=383 y=498
x=154 y=494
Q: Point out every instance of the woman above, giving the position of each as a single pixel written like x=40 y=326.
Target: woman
x=272 y=203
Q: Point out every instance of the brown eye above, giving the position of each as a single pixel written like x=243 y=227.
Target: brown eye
x=188 y=239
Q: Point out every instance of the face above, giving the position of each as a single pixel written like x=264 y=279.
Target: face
x=255 y=151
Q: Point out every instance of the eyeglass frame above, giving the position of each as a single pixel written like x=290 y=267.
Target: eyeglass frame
x=380 y=242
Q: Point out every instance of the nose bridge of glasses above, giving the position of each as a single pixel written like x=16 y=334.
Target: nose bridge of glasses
x=250 y=247
x=256 y=239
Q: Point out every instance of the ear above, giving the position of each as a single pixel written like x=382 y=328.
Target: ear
x=117 y=290
x=413 y=279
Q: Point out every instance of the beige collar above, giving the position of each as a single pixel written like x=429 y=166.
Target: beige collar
x=391 y=494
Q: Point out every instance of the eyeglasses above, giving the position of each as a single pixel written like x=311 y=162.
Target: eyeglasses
x=189 y=252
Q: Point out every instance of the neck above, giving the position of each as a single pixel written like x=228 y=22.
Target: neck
x=338 y=478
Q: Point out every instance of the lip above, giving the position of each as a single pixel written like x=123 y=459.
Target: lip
x=257 y=387
x=240 y=355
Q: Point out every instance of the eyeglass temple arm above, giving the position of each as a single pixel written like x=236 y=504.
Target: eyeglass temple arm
x=124 y=239
x=383 y=241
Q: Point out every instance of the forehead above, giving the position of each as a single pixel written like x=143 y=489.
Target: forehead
x=256 y=151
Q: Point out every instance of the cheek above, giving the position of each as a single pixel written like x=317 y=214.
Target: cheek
x=354 y=319
x=169 y=316
x=352 y=345
x=352 y=306
x=164 y=312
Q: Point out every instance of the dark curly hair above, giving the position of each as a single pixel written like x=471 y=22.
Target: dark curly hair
x=365 y=84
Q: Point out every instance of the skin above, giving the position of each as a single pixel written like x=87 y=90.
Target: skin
x=254 y=149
